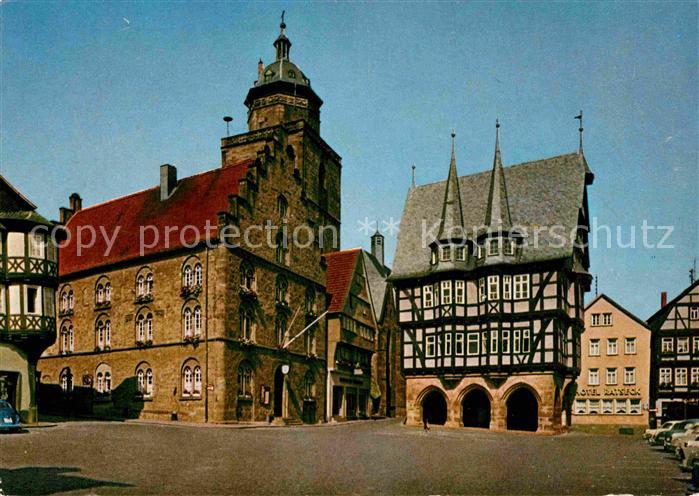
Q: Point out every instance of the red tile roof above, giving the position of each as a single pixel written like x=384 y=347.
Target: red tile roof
x=341 y=265
x=196 y=201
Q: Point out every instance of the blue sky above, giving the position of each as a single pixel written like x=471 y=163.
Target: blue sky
x=94 y=105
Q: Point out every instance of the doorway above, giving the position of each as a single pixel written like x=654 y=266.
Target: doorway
x=279 y=381
x=476 y=409
x=522 y=411
x=434 y=408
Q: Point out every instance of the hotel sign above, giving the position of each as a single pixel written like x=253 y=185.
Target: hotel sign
x=608 y=392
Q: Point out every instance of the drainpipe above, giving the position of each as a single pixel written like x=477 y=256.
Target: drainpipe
x=206 y=339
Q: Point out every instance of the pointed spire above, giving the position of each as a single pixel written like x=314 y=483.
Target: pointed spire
x=282 y=43
x=452 y=217
x=497 y=217
x=580 y=130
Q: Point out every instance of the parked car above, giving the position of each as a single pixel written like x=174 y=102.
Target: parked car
x=648 y=433
x=660 y=437
x=675 y=439
x=689 y=453
x=9 y=418
x=663 y=428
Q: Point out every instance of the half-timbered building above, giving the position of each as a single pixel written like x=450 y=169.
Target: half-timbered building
x=675 y=356
x=491 y=270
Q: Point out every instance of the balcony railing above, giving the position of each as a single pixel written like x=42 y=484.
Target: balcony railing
x=28 y=266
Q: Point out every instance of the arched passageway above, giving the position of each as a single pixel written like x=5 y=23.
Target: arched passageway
x=434 y=408
x=522 y=411
x=475 y=409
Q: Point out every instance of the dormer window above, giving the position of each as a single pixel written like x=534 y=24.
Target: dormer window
x=493 y=248
x=508 y=247
x=445 y=254
x=460 y=253
x=433 y=257
x=268 y=75
x=292 y=75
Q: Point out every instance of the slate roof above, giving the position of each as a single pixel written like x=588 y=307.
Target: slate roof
x=15 y=206
x=497 y=215
x=376 y=276
x=452 y=213
x=338 y=276
x=547 y=192
x=195 y=201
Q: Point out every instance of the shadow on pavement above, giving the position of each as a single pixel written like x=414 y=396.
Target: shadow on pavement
x=38 y=481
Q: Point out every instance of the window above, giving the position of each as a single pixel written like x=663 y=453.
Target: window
x=594 y=406
x=505 y=341
x=460 y=292
x=140 y=286
x=593 y=377
x=525 y=341
x=141 y=328
x=612 y=348
x=197 y=274
x=493 y=288
x=100 y=294
x=149 y=383
x=282 y=207
x=460 y=253
x=445 y=253
x=430 y=345
x=629 y=375
x=695 y=344
x=516 y=341
x=522 y=287
x=100 y=382
x=620 y=407
x=493 y=341
x=71 y=300
x=15 y=244
x=580 y=407
x=460 y=344
x=2 y=298
x=665 y=376
x=447 y=344
x=694 y=312
x=280 y=329
x=149 y=327
x=611 y=377
x=197 y=381
x=508 y=247
x=187 y=384
x=635 y=406
x=492 y=247
x=606 y=319
x=187 y=321
x=594 y=320
x=472 y=344
x=282 y=249
x=607 y=407
x=594 y=347
x=446 y=292
x=682 y=345
x=36 y=245
x=694 y=379
x=247 y=276
x=282 y=290
x=309 y=386
x=481 y=289
x=309 y=340
x=245 y=380
x=33 y=300
x=507 y=287
x=667 y=345
x=630 y=346
x=149 y=284
x=247 y=325
x=681 y=377
x=427 y=300
x=310 y=301
x=197 y=321
x=433 y=256
x=66 y=380
x=187 y=276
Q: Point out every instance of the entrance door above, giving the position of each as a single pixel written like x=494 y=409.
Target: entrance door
x=278 y=393
x=476 y=409
x=434 y=408
x=522 y=411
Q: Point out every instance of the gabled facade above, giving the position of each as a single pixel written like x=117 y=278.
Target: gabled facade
x=490 y=298
x=192 y=317
x=28 y=280
x=613 y=387
x=675 y=358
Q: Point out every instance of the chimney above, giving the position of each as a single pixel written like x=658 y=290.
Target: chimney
x=65 y=215
x=377 y=246
x=663 y=299
x=260 y=68
x=76 y=203
x=168 y=181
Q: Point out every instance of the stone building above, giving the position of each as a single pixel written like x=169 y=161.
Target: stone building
x=363 y=360
x=491 y=270
x=613 y=387
x=187 y=308
x=28 y=280
x=675 y=357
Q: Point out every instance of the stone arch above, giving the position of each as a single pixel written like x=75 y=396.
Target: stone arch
x=522 y=403
x=433 y=404
x=476 y=405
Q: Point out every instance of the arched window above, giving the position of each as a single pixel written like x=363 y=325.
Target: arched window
x=149 y=326
x=141 y=328
x=282 y=290
x=64 y=340
x=71 y=300
x=100 y=334
x=149 y=284
x=197 y=275
x=280 y=327
x=103 y=382
x=103 y=333
x=108 y=291
x=247 y=276
x=310 y=300
x=310 y=341
x=187 y=320
x=197 y=321
x=140 y=285
x=144 y=282
x=245 y=387
x=100 y=294
x=282 y=207
x=187 y=277
x=107 y=382
x=71 y=339
x=187 y=381
x=145 y=379
x=66 y=380
x=309 y=386
x=149 y=383
x=141 y=381
x=282 y=249
x=107 y=333
x=247 y=324
x=197 y=381
x=64 y=301
x=100 y=382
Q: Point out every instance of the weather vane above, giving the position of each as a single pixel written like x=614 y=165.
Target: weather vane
x=283 y=12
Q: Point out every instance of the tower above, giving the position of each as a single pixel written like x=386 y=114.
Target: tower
x=282 y=92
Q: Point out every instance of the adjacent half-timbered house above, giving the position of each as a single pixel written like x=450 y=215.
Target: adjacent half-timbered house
x=491 y=270
x=675 y=357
